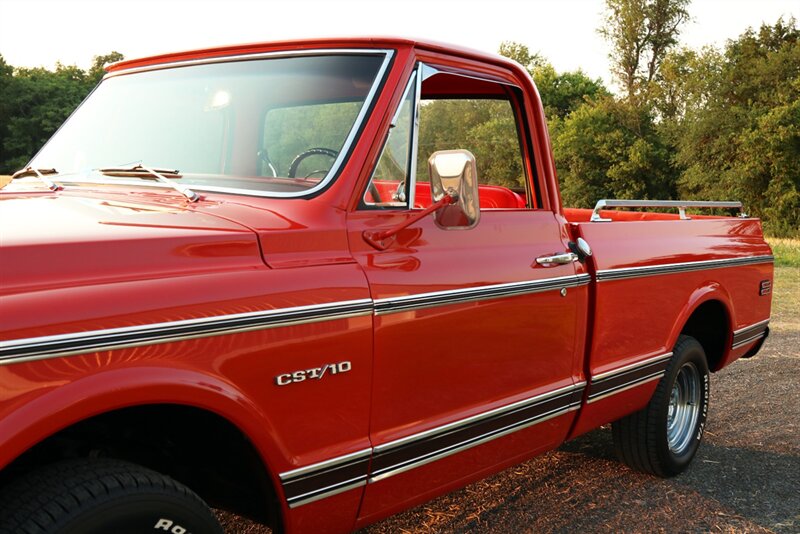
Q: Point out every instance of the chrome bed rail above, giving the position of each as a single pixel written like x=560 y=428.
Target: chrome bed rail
x=680 y=204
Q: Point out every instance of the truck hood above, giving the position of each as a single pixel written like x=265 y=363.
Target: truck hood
x=52 y=240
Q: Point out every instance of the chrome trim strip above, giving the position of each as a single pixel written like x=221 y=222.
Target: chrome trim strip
x=478 y=417
x=671 y=268
x=470 y=294
x=30 y=349
x=321 y=469
x=426 y=459
x=748 y=334
x=747 y=341
x=630 y=385
x=620 y=370
x=753 y=326
x=300 y=471
x=345 y=150
x=328 y=491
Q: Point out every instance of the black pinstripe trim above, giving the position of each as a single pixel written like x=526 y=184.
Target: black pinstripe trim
x=627 y=377
x=326 y=479
x=414 y=451
x=749 y=334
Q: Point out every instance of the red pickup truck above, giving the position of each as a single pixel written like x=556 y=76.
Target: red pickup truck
x=359 y=290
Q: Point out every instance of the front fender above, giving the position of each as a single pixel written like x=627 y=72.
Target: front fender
x=41 y=409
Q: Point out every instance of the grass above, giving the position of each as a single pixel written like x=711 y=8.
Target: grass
x=786 y=251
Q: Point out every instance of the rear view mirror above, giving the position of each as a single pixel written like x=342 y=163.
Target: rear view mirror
x=454 y=173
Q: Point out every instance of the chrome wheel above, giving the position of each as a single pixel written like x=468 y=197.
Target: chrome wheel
x=684 y=408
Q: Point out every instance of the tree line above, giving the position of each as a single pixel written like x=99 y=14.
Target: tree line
x=704 y=124
x=707 y=124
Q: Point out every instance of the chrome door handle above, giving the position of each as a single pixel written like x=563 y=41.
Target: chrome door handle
x=557 y=259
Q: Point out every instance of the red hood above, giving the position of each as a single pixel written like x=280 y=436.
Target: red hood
x=55 y=240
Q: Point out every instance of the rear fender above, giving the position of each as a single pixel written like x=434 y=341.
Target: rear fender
x=705 y=293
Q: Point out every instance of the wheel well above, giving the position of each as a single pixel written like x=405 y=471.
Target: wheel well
x=708 y=324
x=198 y=448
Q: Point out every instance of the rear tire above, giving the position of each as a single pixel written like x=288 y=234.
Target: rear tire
x=663 y=437
x=102 y=496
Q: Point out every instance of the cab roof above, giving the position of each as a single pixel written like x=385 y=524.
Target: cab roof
x=310 y=44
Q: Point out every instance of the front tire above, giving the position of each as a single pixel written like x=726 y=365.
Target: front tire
x=663 y=437
x=102 y=496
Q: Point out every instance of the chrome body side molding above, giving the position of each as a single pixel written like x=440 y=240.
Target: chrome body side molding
x=630 y=376
x=23 y=350
x=748 y=334
x=478 y=293
x=671 y=268
x=325 y=479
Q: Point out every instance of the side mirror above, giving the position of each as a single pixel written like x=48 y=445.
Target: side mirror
x=454 y=173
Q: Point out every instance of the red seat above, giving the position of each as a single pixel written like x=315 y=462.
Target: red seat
x=491 y=196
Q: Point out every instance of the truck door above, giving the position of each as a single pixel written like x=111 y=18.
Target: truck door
x=475 y=340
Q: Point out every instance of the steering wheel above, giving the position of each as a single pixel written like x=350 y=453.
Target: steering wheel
x=317 y=151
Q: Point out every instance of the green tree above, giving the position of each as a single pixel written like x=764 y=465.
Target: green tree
x=36 y=101
x=739 y=136
x=560 y=92
x=641 y=33
x=599 y=155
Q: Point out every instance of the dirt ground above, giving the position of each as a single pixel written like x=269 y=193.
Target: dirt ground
x=745 y=477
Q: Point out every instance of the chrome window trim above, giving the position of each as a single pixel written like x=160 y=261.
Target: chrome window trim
x=157 y=333
x=605 y=275
x=418 y=301
x=411 y=165
x=333 y=173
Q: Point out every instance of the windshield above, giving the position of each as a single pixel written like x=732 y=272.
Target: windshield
x=278 y=127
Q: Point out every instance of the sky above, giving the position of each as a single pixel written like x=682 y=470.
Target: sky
x=41 y=32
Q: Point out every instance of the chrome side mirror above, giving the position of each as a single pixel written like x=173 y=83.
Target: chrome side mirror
x=454 y=173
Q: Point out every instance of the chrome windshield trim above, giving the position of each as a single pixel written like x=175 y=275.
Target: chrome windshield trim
x=335 y=169
x=478 y=293
x=43 y=347
x=671 y=268
x=479 y=417
x=333 y=462
x=620 y=370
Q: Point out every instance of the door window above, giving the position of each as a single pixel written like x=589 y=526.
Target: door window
x=454 y=112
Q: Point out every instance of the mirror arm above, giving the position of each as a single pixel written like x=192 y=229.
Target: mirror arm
x=378 y=238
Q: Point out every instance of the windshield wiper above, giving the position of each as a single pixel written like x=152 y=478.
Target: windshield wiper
x=41 y=174
x=140 y=171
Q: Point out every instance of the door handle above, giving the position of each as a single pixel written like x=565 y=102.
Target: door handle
x=557 y=259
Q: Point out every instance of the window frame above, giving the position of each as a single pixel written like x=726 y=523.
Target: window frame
x=514 y=96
